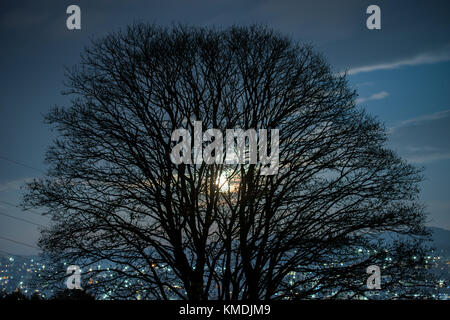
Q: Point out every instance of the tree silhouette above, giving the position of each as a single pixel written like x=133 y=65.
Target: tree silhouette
x=16 y=295
x=224 y=231
x=74 y=294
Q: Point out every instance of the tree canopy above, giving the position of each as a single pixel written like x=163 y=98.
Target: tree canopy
x=170 y=230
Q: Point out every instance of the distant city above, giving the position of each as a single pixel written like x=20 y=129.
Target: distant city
x=25 y=273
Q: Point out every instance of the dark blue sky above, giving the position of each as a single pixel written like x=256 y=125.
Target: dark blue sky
x=402 y=73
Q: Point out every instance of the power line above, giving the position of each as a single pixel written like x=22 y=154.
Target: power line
x=21 y=219
x=8 y=253
x=17 y=207
x=19 y=242
x=21 y=164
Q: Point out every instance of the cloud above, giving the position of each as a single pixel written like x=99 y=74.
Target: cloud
x=424 y=58
x=421 y=119
x=430 y=157
x=423 y=139
x=375 y=96
x=14 y=184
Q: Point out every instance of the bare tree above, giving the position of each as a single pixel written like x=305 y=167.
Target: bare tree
x=224 y=231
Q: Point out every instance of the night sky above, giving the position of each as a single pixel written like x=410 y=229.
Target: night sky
x=401 y=72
